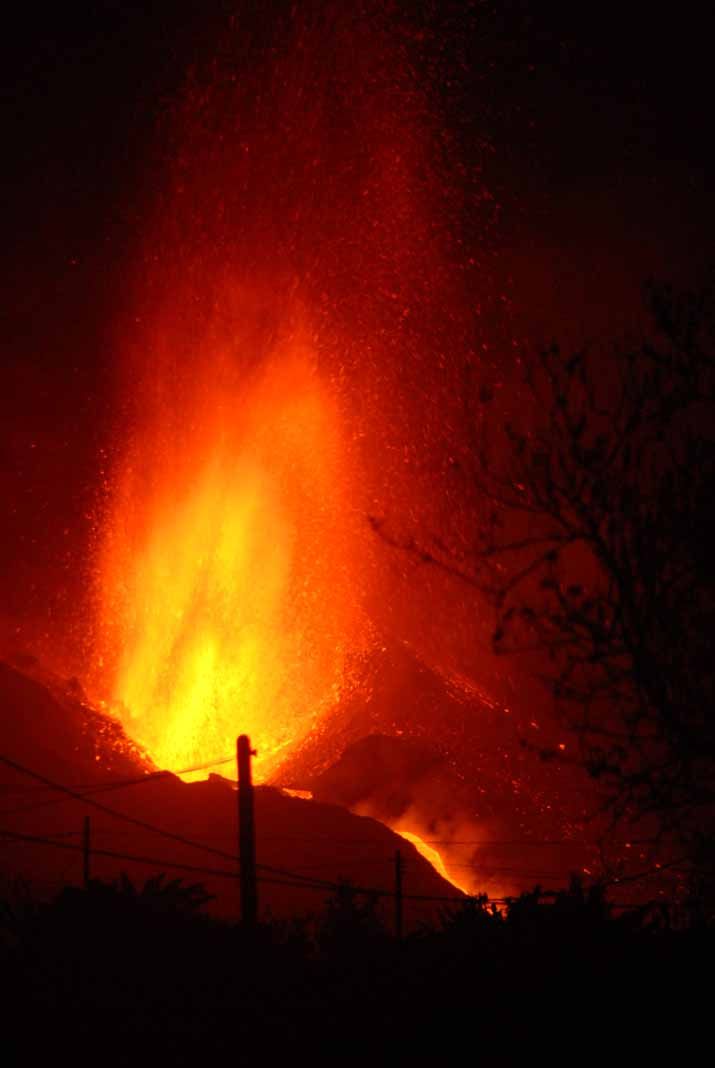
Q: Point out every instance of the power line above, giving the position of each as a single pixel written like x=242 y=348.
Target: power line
x=128 y=782
x=223 y=873
x=154 y=861
x=86 y=792
x=113 y=812
x=354 y=859
x=286 y=874
x=143 y=824
x=119 y=784
x=297 y=877
x=217 y=872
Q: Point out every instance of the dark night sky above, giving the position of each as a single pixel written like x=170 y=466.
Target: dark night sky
x=600 y=123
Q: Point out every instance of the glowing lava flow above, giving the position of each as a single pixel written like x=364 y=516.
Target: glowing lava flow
x=226 y=569
x=432 y=856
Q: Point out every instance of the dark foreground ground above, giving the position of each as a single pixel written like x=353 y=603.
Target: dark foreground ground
x=120 y=975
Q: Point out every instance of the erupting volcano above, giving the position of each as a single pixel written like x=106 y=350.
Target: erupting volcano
x=356 y=684
x=306 y=302
x=228 y=572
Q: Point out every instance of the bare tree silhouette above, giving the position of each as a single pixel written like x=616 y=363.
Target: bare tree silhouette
x=595 y=545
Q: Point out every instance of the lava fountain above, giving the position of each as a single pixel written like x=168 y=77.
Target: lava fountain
x=227 y=570
x=286 y=341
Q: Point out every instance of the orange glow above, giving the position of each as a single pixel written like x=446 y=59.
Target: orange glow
x=432 y=855
x=227 y=584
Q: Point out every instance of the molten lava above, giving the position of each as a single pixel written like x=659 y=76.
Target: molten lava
x=287 y=367
x=433 y=856
x=227 y=581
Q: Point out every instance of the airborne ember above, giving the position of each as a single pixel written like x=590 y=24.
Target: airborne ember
x=336 y=427
x=251 y=353
x=266 y=414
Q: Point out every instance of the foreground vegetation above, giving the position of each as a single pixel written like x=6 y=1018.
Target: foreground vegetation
x=118 y=974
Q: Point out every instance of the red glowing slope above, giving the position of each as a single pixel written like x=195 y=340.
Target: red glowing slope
x=424 y=754
x=62 y=740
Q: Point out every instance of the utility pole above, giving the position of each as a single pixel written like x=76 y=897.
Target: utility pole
x=246 y=834
x=398 y=895
x=86 y=853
